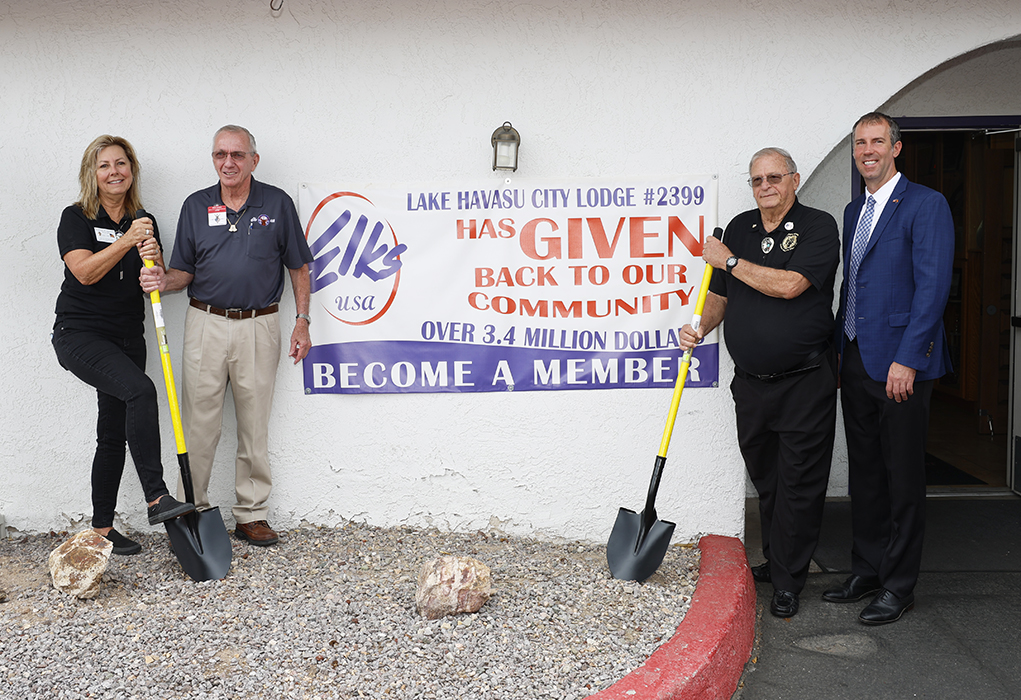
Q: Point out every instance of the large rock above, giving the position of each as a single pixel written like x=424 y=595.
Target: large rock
x=451 y=585
x=77 y=566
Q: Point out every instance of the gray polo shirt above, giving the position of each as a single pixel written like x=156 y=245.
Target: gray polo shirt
x=243 y=269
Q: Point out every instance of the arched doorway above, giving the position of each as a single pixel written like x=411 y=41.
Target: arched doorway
x=950 y=117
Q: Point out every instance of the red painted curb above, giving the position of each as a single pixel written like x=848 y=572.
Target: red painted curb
x=707 y=653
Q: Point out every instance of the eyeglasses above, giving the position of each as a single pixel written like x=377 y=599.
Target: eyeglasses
x=773 y=179
x=236 y=156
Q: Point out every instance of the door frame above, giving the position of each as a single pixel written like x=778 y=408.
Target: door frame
x=1014 y=442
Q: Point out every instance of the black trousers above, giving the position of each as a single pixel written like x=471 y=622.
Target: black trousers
x=785 y=429
x=886 y=475
x=128 y=410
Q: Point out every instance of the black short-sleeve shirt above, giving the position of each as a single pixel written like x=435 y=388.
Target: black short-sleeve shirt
x=764 y=334
x=115 y=305
x=242 y=269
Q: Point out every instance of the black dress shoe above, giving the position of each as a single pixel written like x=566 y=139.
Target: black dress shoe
x=854 y=588
x=784 y=604
x=761 y=573
x=885 y=608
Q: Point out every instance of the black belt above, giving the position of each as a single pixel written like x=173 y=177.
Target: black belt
x=805 y=366
x=236 y=314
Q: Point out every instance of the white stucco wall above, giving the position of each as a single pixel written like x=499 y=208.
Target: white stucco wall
x=408 y=91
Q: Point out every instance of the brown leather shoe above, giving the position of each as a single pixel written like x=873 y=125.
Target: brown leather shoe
x=258 y=533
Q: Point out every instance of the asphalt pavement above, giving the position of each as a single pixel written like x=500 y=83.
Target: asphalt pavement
x=962 y=639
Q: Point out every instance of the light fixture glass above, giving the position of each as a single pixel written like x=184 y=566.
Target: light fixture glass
x=506 y=141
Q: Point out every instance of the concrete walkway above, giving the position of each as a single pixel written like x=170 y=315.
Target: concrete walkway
x=960 y=641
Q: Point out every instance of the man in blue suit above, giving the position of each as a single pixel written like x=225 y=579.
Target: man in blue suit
x=898 y=257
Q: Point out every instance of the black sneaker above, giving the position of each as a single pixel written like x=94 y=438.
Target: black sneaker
x=121 y=544
x=168 y=508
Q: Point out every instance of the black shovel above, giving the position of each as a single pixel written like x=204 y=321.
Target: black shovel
x=638 y=542
x=199 y=539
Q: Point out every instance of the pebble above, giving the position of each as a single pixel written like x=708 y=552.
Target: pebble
x=330 y=613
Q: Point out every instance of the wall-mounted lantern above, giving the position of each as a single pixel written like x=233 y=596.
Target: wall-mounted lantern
x=505 y=147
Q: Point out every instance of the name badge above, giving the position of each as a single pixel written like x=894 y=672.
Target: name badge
x=107 y=235
x=218 y=215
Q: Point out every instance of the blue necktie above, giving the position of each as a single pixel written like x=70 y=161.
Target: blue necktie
x=861 y=241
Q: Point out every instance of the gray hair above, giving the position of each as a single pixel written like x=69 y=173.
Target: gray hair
x=774 y=151
x=235 y=129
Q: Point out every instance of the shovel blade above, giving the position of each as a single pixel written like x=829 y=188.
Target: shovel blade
x=201 y=543
x=634 y=553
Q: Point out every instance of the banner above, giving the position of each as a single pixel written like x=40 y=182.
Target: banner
x=529 y=286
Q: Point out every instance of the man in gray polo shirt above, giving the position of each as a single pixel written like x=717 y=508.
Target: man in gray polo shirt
x=234 y=241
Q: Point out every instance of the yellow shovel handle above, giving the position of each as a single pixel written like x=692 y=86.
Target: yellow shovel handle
x=696 y=320
x=168 y=370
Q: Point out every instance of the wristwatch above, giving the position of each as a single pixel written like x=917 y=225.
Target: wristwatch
x=304 y=316
x=732 y=263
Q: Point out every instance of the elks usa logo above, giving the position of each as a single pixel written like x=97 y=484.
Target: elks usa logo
x=357 y=258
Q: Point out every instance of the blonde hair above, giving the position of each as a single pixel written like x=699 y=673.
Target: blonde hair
x=88 y=199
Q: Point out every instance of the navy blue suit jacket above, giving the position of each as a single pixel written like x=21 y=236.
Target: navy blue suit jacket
x=903 y=283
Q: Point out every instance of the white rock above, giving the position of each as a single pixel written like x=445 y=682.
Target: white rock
x=77 y=565
x=451 y=585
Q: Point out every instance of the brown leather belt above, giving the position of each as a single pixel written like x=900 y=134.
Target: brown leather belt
x=236 y=314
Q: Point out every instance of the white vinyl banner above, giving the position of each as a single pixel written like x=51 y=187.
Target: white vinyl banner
x=532 y=286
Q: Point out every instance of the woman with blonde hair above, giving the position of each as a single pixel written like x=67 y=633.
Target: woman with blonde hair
x=98 y=331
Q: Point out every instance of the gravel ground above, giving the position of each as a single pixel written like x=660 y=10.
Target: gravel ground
x=330 y=613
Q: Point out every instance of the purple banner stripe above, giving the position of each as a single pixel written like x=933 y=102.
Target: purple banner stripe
x=405 y=367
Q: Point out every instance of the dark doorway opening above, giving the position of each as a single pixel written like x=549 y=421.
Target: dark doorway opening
x=974 y=169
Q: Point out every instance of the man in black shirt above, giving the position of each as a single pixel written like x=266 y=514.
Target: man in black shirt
x=780 y=261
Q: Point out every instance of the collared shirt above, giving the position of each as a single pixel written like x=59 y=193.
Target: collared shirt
x=115 y=304
x=881 y=196
x=764 y=334
x=241 y=269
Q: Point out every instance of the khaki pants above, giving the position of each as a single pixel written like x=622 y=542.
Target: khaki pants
x=243 y=353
